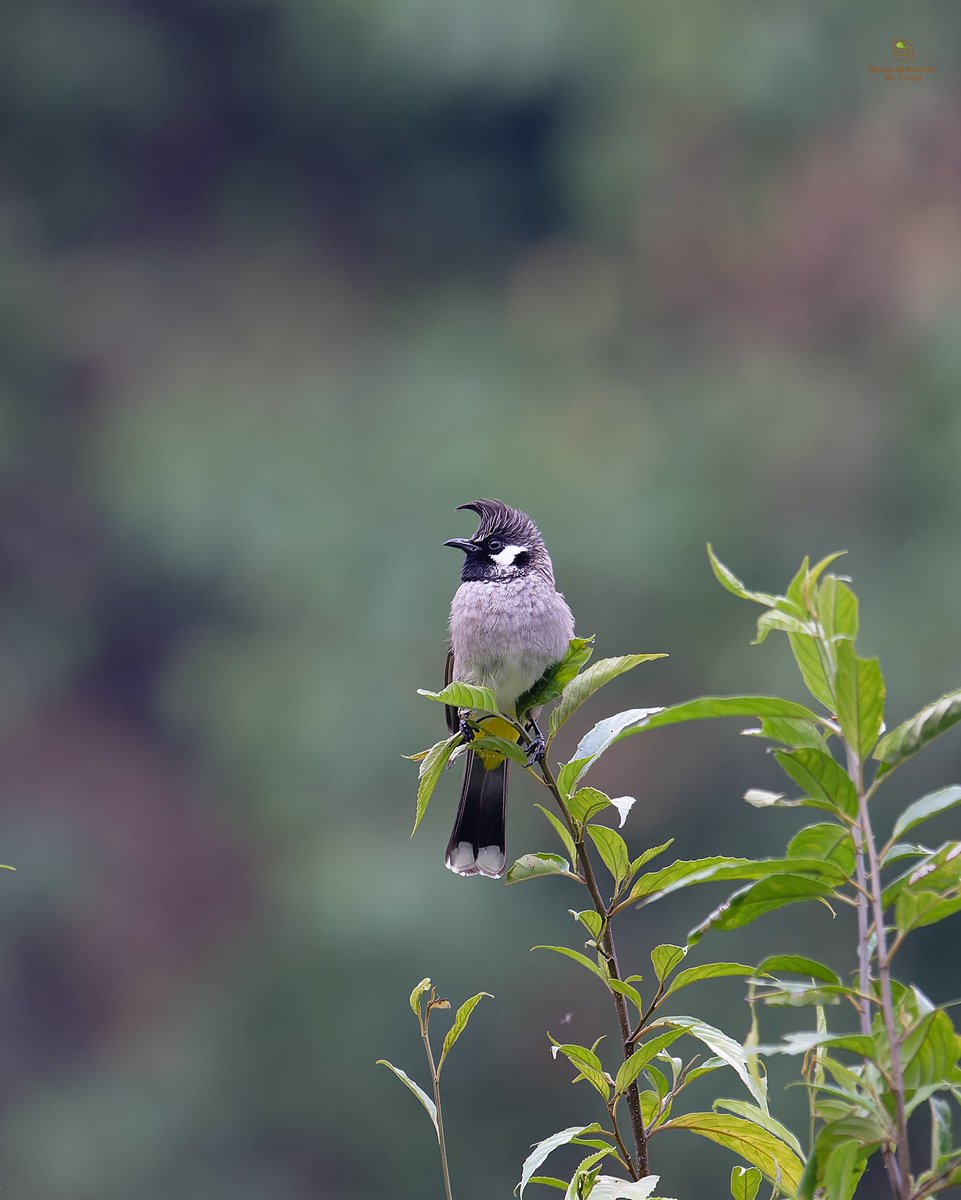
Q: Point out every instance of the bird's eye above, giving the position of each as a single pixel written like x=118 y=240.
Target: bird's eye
x=495 y=544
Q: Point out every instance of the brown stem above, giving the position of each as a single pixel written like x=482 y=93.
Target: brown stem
x=637 y=1166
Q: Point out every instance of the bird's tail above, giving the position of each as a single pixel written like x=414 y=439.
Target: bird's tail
x=478 y=843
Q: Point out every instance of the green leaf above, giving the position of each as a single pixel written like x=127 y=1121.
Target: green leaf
x=665 y=958
x=758 y=899
x=417 y=995
x=503 y=746
x=912 y=735
x=631 y=1067
x=822 y=778
x=561 y=830
x=460 y=1024
x=569 y=774
x=586 y=803
x=829 y=842
x=639 y=720
x=716 y=970
x=592 y=921
x=816 y=663
x=941 y=1140
x=687 y=872
x=431 y=769
x=837 y=609
x=843 y=1170
x=930 y=1051
x=745 y=1182
x=648 y=854
x=583 y=686
x=749 y=1141
x=556 y=678
x=550 y=1181
x=589 y=1065
x=612 y=849
x=860 y=697
x=533 y=866
x=419 y=1092
x=464 y=695
x=726 y=1048
x=727 y=579
x=798 y=965
x=751 y=1112
x=925 y=808
x=626 y=989
x=863 y=1045
x=789 y=731
x=579 y=958
x=776 y=619
x=542 y=1151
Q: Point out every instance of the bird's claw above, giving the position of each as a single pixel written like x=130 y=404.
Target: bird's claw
x=467 y=731
x=536 y=750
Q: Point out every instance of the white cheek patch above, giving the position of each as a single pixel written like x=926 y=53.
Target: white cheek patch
x=505 y=557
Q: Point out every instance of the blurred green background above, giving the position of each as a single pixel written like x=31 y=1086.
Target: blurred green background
x=283 y=283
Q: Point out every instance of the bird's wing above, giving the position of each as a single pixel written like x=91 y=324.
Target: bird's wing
x=452 y=714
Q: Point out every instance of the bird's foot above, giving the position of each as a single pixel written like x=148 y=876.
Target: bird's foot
x=536 y=749
x=467 y=731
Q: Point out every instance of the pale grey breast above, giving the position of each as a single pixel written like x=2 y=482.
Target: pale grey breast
x=506 y=635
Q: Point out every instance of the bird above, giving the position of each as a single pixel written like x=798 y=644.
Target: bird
x=508 y=625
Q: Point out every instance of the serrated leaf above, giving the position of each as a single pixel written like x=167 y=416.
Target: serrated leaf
x=612 y=849
x=758 y=899
x=627 y=989
x=561 y=830
x=534 y=866
x=789 y=732
x=417 y=995
x=745 y=1182
x=719 y=869
x=822 y=777
x=665 y=958
x=639 y=720
x=928 y=806
x=583 y=686
x=830 y=842
x=652 y=852
x=589 y=1065
x=929 y=1051
x=751 y=1112
x=418 y=1091
x=836 y=607
x=431 y=769
x=718 y=970
x=464 y=695
x=631 y=1067
x=569 y=774
x=798 y=964
x=584 y=961
x=843 y=1169
x=724 y=1047
x=816 y=663
x=586 y=803
x=460 y=1024
x=863 y=1045
x=915 y=733
x=749 y=1141
x=556 y=678
x=592 y=921
x=860 y=699
x=542 y=1151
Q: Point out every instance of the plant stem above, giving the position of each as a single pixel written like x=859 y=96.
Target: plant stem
x=638 y=1166
x=897 y=1160
x=435 y=1080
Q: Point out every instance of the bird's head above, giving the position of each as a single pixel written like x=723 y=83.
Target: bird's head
x=507 y=545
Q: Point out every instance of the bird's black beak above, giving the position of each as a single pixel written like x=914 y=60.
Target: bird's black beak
x=464 y=544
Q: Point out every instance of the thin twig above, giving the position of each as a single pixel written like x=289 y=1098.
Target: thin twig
x=435 y=1080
